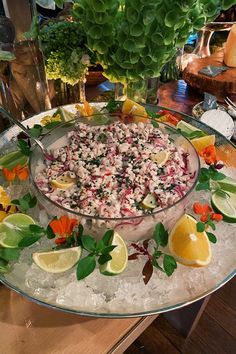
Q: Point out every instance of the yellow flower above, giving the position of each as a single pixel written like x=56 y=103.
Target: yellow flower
x=85 y=110
x=49 y=119
x=6 y=207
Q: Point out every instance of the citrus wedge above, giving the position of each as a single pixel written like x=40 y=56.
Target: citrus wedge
x=227 y=184
x=160 y=158
x=119 y=256
x=136 y=110
x=149 y=201
x=225 y=204
x=57 y=261
x=12 y=159
x=186 y=127
x=64 y=181
x=10 y=227
x=188 y=246
x=201 y=143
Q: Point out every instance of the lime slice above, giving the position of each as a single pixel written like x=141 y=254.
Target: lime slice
x=119 y=256
x=10 y=227
x=227 y=184
x=64 y=181
x=13 y=159
x=57 y=261
x=66 y=116
x=160 y=158
x=225 y=203
x=149 y=201
x=186 y=127
x=100 y=119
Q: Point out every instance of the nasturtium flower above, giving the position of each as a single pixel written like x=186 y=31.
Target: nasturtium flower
x=63 y=228
x=20 y=172
x=208 y=154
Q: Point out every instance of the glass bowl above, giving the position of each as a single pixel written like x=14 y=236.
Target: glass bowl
x=132 y=228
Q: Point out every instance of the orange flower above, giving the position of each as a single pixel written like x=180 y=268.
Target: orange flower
x=18 y=171
x=204 y=218
x=201 y=208
x=209 y=154
x=63 y=227
x=8 y=174
x=216 y=217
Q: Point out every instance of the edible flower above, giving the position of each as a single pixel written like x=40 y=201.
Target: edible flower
x=18 y=171
x=209 y=154
x=85 y=109
x=50 y=119
x=168 y=117
x=206 y=212
x=62 y=228
x=6 y=207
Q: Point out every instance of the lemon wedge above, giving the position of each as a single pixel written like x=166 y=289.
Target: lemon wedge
x=201 y=143
x=188 y=246
x=149 y=201
x=119 y=256
x=57 y=261
x=64 y=181
x=160 y=157
x=136 y=110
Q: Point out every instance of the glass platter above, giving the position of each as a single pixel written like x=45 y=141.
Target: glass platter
x=126 y=295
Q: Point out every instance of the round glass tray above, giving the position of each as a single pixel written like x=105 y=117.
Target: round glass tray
x=126 y=295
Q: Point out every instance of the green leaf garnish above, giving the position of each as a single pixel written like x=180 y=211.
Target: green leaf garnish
x=88 y=242
x=85 y=266
x=201 y=226
x=26 y=202
x=112 y=106
x=211 y=237
x=28 y=240
x=9 y=254
x=24 y=147
x=160 y=235
x=169 y=264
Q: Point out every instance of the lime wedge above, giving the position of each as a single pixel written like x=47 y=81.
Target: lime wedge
x=10 y=229
x=225 y=203
x=13 y=159
x=119 y=256
x=66 y=116
x=227 y=184
x=186 y=127
x=160 y=158
x=149 y=201
x=57 y=261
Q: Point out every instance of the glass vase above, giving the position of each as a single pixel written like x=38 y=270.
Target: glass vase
x=144 y=91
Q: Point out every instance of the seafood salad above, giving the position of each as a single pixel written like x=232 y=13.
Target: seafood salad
x=117 y=171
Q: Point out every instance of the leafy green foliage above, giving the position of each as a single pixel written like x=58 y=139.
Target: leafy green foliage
x=119 y=32
x=24 y=147
x=207 y=174
x=26 y=202
x=64 y=48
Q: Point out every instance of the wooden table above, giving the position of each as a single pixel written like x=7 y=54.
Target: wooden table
x=26 y=327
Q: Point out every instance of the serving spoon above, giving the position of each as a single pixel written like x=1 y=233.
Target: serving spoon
x=9 y=116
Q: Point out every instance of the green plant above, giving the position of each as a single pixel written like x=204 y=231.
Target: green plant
x=133 y=39
x=66 y=55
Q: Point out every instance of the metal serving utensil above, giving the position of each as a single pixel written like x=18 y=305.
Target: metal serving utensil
x=9 y=116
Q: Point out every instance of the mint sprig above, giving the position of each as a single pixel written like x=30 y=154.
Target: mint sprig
x=24 y=147
x=99 y=251
x=25 y=203
x=206 y=175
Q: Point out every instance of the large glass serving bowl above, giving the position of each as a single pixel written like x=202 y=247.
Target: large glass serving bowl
x=130 y=228
x=126 y=295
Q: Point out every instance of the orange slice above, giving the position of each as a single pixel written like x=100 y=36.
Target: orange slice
x=188 y=246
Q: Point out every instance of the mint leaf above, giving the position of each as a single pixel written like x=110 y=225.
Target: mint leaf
x=28 y=240
x=160 y=235
x=36 y=229
x=108 y=249
x=52 y=125
x=85 y=266
x=196 y=134
x=15 y=201
x=88 y=242
x=201 y=227
x=153 y=114
x=211 y=237
x=36 y=130
x=107 y=237
x=33 y=202
x=49 y=232
x=156 y=265
x=10 y=254
x=211 y=224
x=80 y=230
x=3 y=263
x=112 y=106
x=104 y=258
x=169 y=264
x=155 y=124
x=203 y=186
x=24 y=147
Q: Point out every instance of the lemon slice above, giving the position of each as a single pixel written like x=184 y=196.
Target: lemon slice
x=160 y=157
x=201 y=143
x=149 y=201
x=57 y=261
x=119 y=256
x=188 y=246
x=10 y=227
x=63 y=181
x=136 y=110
